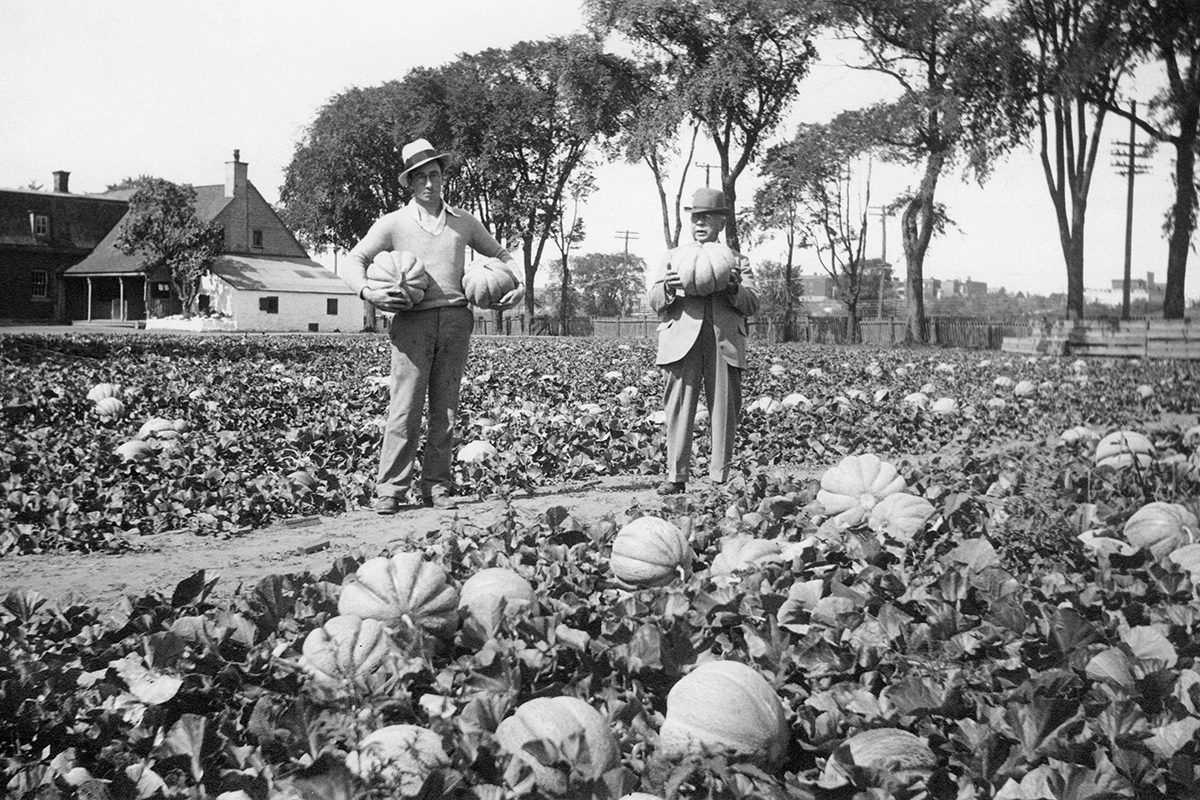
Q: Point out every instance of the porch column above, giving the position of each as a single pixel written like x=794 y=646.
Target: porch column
x=146 y=296
x=89 y=314
x=121 y=295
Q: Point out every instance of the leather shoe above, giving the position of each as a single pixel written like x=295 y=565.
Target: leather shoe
x=386 y=504
x=671 y=487
x=440 y=499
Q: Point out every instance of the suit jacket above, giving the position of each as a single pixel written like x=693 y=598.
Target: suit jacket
x=681 y=317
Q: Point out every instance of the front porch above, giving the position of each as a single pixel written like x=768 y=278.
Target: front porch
x=119 y=298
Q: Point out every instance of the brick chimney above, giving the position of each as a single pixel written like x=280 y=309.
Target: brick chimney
x=60 y=180
x=1149 y=279
x=235 y=176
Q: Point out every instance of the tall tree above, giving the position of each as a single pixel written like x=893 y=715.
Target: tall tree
x=609 y=284
x=1082 y=50
x=651 y=136
x=535 y=111
x=777 y=209
x=960 y=71
x=814 y=173
x=735 y=64
x=343 y=173
x=162 y=226
x=1167 y=34
x=567 y=232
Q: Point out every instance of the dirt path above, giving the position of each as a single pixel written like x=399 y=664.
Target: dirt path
x=304 y=544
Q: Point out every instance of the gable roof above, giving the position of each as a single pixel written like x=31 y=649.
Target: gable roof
x=108 y=259
x=278 y=274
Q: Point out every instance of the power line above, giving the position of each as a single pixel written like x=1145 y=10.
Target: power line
x=706 y=168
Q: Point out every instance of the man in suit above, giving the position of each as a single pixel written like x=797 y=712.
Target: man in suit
x=701 y=342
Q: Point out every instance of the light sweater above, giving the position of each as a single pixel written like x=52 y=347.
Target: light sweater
x=444 y=255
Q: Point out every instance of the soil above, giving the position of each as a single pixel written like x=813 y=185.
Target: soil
x=305 y=544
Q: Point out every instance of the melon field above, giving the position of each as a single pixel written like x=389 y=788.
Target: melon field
x=933 y=574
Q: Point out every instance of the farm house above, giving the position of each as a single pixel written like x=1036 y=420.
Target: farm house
x=264 y=281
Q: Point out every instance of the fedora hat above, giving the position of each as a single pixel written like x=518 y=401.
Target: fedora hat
x=708 y=200
x=416 y=153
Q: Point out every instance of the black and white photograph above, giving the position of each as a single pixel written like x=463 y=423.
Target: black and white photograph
x=600 y=400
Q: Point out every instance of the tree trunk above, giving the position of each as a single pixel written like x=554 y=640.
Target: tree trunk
x=564 y=303
x=530 y=272
x=916 y=227
x=787 y=291
x=852 y=321
x=1181 y=213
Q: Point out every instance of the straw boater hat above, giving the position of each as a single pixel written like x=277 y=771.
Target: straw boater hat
x=708 y=200
x=416 y=153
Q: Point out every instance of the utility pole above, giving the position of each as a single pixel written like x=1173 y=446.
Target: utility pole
x=883 y=266
x=1130 y=168
x=706 y=168
x=627 y=235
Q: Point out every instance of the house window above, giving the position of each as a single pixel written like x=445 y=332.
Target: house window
x=269 y=304
x=256 y=239
x=331 y=306
x=159 y=290
x=40 y=223
x=204 y=303
x=40 y=284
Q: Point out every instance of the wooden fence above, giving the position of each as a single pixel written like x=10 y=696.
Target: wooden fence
x=942 y=331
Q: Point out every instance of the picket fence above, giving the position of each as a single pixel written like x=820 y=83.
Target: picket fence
x=942 y=331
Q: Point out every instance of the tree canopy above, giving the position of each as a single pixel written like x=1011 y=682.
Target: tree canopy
x=162 y=226
x=735 y=65
x=962 y=77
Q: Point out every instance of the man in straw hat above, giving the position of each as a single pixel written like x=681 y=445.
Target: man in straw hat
x=702 y=342
x=430 y=338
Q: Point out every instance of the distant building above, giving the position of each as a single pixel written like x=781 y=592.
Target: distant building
x=263 y=281
x=42 y=233
x=1139 y=289
x=815 y=288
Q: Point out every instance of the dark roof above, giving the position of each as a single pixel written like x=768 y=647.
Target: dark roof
x=107 y=259
x=77 y=221
x=210 y=201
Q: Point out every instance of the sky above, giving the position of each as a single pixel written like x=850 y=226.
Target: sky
x=131 y=87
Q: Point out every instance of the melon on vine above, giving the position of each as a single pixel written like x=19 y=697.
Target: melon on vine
x=1162 y=528
x=136 y=450
x=157 y=427
x=546 y=733
x=399 y=270
x=1121 y=449
x=494 y=591
x=1025 y=389
x=405 y=586
x=703 y=267
x=902 y=756
x=103 y=390
x=348 y=649
x=486 y=282
x=900 y=516
x=725 y=707
x=477 y=452
x=401 y=757
x=650 y=551
x=851 y=489
x=110 y=408
x=944 y=405
x=744 y=552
